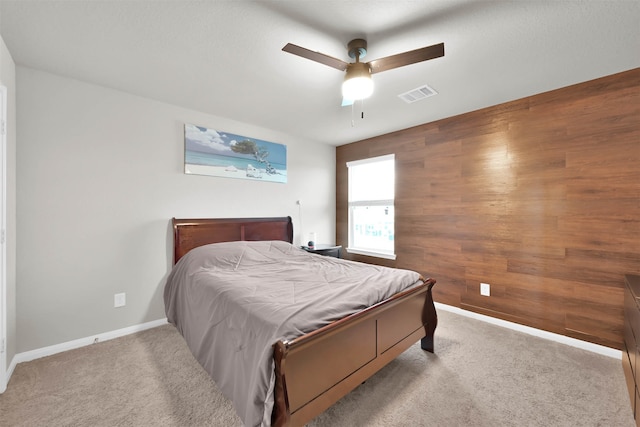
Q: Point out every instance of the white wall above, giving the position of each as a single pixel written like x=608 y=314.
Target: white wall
x=8 y=79
x=100 y=174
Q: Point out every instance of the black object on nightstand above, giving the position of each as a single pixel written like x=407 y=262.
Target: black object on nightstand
x=326 y=250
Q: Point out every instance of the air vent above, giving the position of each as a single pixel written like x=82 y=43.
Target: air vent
x=417 y=94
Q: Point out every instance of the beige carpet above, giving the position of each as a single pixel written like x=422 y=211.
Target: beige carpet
x=481 y=375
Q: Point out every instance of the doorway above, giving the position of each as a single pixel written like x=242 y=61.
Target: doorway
x=3 y=239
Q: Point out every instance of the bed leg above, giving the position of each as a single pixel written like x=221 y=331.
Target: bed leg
x=429 y=319
x=426 y=344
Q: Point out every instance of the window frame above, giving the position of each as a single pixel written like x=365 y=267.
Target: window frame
x=375 y=202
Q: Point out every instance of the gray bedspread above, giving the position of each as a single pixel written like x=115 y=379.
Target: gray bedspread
x=232 y=301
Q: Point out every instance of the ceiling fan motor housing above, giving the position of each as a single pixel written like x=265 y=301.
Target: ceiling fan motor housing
x=357 y=49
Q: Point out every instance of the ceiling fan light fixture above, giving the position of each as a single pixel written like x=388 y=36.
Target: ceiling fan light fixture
x=358 y=83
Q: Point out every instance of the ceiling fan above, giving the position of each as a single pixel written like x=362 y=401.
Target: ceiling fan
x=357 y=80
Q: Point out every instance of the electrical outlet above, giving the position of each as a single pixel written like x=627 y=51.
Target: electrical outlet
x=119 y=300
x=485 y=289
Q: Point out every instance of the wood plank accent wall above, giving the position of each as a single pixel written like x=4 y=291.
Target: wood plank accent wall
x=539 y=197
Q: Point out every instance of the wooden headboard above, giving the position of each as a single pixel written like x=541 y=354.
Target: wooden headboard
x=191 y=233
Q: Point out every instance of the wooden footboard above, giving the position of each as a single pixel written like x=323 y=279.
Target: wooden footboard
x=316 y=370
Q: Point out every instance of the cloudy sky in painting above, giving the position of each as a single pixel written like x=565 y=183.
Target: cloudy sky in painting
x=198 y=138
x=208 y=138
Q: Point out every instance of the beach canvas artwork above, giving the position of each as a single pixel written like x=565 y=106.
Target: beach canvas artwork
x=217 y=153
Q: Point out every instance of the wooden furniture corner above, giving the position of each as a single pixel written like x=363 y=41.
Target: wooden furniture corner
x=631 y=352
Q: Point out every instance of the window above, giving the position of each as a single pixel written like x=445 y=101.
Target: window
x=371 y=212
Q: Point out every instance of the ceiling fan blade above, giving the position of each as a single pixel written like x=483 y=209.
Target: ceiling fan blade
x=407 y=58
x=316 y=56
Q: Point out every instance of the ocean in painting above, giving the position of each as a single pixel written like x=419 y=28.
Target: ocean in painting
x=198 y=163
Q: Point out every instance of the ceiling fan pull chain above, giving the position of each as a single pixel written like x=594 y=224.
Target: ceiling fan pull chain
x=353 y=112
x=353 y=123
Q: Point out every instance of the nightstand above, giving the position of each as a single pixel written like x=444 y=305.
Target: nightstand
x=326 y=250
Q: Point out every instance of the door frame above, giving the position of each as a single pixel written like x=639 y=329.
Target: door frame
x=3 y=238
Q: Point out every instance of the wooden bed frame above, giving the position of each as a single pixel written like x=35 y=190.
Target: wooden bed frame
x=317 y=369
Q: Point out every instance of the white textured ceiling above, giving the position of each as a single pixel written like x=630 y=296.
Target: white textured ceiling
x=225 y=57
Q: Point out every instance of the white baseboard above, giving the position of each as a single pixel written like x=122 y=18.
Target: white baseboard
x=595 y=348
x=81 y=342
